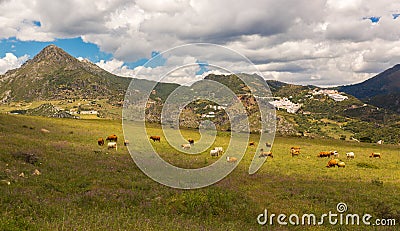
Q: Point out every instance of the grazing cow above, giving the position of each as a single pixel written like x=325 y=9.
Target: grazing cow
x=265 y=154
x=155 y=138
x=375 y=154
x=350 y=155
x=5 y=182
x=231 y=159
x=251 y=143
x=295 y=151
x=380 y=142
x=191 y=141
x=112 y=145
x=214 y=152
x=351 y=138
x=185 y=146
x=36 y=172
x=220 y=150
x=341 y=164
x=325 y=154
x=100 y=141
x=112 y=138
x=126 y=142
x=335 y=154
x=332 y=163
x=44 y=130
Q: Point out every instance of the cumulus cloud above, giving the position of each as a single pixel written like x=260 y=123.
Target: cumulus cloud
x=326 y=42
x=117 y=67
x=183 y=73
x=10 y=61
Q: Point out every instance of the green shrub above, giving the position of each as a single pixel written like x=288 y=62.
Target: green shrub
x=367 y=165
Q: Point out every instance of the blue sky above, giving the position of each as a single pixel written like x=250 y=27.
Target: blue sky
x=78 y=48
x=74 y=46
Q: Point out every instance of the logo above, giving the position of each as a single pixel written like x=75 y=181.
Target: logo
x=332 y=218
x=188 y=65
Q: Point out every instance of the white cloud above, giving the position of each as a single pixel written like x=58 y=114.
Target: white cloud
x=323 y=42
x=117 y=67
x=344 y=5
x=181 y=74
x=10 y=61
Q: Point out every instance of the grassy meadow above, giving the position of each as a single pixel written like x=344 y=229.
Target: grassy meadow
x=83 y=186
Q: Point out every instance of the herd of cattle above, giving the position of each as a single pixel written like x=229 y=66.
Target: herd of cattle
x=112 y=142
x=294 y=151
x=334 y=161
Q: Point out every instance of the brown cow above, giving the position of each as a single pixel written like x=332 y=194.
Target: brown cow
x=100 y=141
x=126 y=142
x=155 y=138
x=265 y=154
x=191 y=141
x=295 y=151
x=231 y=159
x=332 y=163
x=112 y=138
x=375 y=154
x=325 y=154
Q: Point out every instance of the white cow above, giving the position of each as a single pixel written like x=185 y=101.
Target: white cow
x=185 y=146
x=350 y=155
x=112 y=145
x=214 y=152
x=219 y=149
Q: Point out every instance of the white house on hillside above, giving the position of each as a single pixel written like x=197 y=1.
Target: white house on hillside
x=92 y=112
x=337 y=97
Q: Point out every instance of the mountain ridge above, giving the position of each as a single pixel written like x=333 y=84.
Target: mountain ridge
x=382 y=90
x=53 y=74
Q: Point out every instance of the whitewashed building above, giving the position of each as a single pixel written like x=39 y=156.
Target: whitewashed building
x=338 y=97
x=333 y=94
x=91 y=112
x=286 y=104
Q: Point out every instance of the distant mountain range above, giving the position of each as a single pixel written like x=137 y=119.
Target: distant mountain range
x=54 y=75
x=382 y=90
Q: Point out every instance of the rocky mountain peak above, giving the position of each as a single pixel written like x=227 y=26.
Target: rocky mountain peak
x=53 y=54
x=53 y=74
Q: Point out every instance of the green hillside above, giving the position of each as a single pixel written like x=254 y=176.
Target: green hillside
x=83 y=186
x=382 y=90
x=348 y=119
